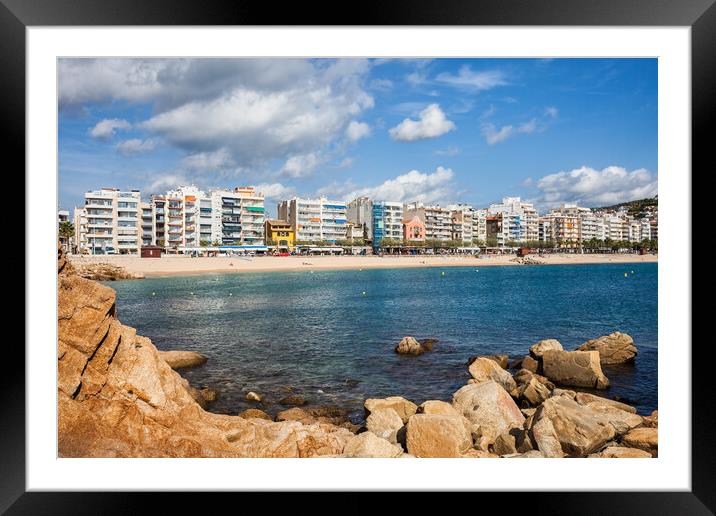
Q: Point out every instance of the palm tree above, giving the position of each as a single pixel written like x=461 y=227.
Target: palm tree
x=66 y=231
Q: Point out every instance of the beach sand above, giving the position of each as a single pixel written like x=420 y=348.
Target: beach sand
x=184 y=265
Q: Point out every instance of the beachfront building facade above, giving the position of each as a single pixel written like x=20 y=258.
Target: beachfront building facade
x=237 y=216
x=479 y=225
x=109 y=222
x=315 y=220
x=147 y=223
x=279 y=233
x=413 y=231
x=387 y=222
x=359 y=213
x=520 y=221
x=462 y=230
x=437 y=220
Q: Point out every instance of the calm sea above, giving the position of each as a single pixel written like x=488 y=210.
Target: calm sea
x=330 y=335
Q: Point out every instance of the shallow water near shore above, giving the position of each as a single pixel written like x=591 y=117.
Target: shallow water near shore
x=330 y=334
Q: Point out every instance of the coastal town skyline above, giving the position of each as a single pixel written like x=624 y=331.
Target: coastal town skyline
x=440 y=131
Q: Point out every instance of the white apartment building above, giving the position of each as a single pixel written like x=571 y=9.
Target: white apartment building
x=315 y=219
x=237 y=216
x=462 y=217
x=109 y=222
x=437 y=220
x=479 y=225
x=147 y=223
x=520 y=219
x=359 y=212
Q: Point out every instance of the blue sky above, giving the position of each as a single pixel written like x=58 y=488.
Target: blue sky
x=439 y=131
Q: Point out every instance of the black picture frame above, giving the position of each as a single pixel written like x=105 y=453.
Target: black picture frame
x=700 y=15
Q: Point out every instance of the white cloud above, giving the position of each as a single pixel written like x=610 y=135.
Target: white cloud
x=357 y=130
x=551 y=112
x=136 y=146
x=416 y=78
x=257 y=110
x=408 y=187
x=381 y=84
x=590 y=187
x=346 y=162
x=452 y=150
x=275 y=191
x=165 y=182
x=475 y=81
x=208 y=161
x=106 y=129
x=301 y=165
x=494 y=136
x=431 y=124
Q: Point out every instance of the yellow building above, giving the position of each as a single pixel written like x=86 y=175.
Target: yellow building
x=279 y=233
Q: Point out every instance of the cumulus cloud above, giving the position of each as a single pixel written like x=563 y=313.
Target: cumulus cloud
x=357 y=130
x=589 y=187
x=411 y=186
x=107 y=128
x=165 y=182
x=275 y=191
x=431 y=123
x=301 y=165
x=468 y=79
x=136 y=146
x=257 y=110
x=206 y=161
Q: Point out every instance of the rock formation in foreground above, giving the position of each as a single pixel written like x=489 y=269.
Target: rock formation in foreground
x=118 y=398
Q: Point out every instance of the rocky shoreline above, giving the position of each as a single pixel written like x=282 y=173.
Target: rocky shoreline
x=119 y=397
x=104 y=272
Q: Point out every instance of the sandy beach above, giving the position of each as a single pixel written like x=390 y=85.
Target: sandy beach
x=184 y=265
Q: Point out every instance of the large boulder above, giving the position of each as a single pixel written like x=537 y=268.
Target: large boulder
x=437 y=435
x=502 y=360
x=254 y=413
x=403 y=407
x=616 y=348
x=367 y=444
x=183 y=359
x=562 y=427
x=643 y=438
x=652 y=421
x=619 y=452
x=532 y=393
x=410 y=346
x=584 y=398
x=489 y=408
x=575 y=368
x=483 y=370
x=385 y=423
x=538 y=349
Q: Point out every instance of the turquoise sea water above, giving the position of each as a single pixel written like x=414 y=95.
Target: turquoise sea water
x=330 y=335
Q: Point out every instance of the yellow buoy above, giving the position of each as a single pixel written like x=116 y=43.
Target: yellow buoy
x=626 y=274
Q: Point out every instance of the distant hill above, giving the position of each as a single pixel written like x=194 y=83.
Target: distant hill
x=635 y=207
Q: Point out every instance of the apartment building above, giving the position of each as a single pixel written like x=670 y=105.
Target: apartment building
x=109 y=222
x=387 y=221
x=520 y=220
x=566 y=225
x=359 y=212
x=315 y=219
x=479 y=225
x=437 y=220
x=147 y=223
x=462 y=230
x=237 y=216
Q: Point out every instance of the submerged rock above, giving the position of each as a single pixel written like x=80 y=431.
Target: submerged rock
x=575 y=368
x=410 y=346
x=616 y=348
x=255 y=413
x=293 y=399
x=252 y=396
x=183 y=359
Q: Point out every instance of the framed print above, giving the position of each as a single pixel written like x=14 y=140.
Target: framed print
x=285 y=254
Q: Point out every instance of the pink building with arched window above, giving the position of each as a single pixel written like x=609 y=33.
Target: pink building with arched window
x=413 y=230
